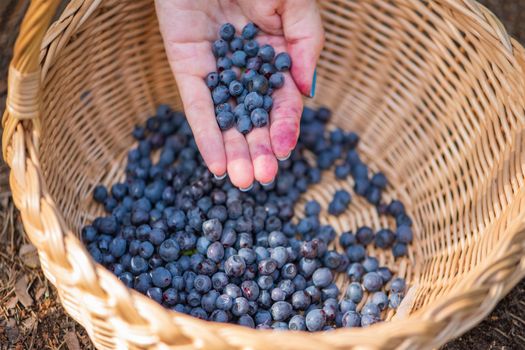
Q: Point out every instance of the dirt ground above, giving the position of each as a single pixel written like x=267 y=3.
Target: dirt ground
x=32 y=318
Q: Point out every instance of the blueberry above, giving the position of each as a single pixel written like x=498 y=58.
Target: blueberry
x=89 y=233
x=258 y=84
x=347 y=305
x=404 y=234
x=322 y=277
x=398 y=285
x=364 y=235
x=220 y=94
x=227 y=31
x=127 y=279
x=297 y=323
x=219 y=48
x=244 y=124
x=396 y=208
x=379 y=180
x=236 y=88
x=280 y=325
x=212 y=229
x=236 y=44
x=202 y=284
x=267 y=69
x=399 y=250
x=384 y=238
x=332 y=259
x=155 y=294
x=372 y=281
x=301 y=300
x=247 y=76
x=283 y=62
x=315 y=320
x=138 y=265
x=337 y=207
x=267 y=266
x=276 y=80
x=235 y=266
x=227 y=77
x=252 y=101
x=373 y=195
x=346 y=239
x=108 y=225
x=281 y=310
x=354 y=292
x=263 y=317
x=403 y=220
x=226 y=120
x=314 y=293
x=240 y=306
x=380 y=299
x=223 y=107
x=161 y=277
x=351 y=319
x=254 y=63
x=169 y=250
x=212 y=80
x=259 y=117
x=395 y=299
x=371 y=310
x=117 y=247
x=278 y=294
x=370 y=264
x=342 y=171
x=361 y=186
x=251 y=47
x=277 y=239
x=287 y=287
x=246 y=321
x=219 y=316
x=250 y=290
x=208 y=300
x=233 y=290
x=308 y=266
x=249 y=31
x=356 y=252
x=146 y=249
x=142 y=282
x=100 y=194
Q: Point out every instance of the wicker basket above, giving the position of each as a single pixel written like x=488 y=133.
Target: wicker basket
x=435 y=88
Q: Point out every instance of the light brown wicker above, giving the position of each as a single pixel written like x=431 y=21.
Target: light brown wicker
x=435 y=88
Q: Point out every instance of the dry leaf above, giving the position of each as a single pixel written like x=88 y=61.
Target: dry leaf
x=29 y=255
x=21 y=292
x=29 y=322
x=11 y=303
x=40 y=292
x=72 y=341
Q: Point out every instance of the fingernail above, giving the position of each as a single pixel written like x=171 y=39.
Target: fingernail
x=266 y=183
x=285 y=157
x=314 y=83
x=246 y=189
x=223 y=176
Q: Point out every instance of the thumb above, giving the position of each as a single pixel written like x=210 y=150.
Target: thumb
x=304 y=35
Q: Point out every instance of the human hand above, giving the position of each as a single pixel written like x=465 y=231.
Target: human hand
x=189 y=27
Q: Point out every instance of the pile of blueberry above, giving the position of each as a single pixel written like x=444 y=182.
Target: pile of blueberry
x=260 y=73
x=198 y=245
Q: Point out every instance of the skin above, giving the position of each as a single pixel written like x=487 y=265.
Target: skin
x=189 y=27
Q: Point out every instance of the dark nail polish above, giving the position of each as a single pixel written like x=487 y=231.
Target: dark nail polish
x=314 y=83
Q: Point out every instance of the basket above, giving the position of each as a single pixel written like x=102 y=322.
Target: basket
x=435 y=88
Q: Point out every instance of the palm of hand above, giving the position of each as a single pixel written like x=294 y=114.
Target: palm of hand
x=189 y=28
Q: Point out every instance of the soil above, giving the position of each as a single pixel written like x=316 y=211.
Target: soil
x=31 y=316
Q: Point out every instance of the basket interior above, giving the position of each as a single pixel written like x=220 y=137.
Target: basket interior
x=433 y=108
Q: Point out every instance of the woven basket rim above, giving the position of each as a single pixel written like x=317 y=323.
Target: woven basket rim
x=20 y=146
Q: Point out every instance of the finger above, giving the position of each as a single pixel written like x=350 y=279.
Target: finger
x=238 y=159
x=285 y=117
x=201 y=117
x=261 y=153
x=304 y=35
x=265 y=14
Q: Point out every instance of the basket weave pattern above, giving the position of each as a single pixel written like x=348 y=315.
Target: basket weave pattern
x=436 y=89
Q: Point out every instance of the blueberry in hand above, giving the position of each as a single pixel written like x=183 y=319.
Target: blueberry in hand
x=259 y=117
x=212 y=80
x=250 y=31
x=220 y=94
x=236 y=88
x=236 y=44
x=252 y=101
x=283 y=62
x=227 y=31
x=239 y=59
x=267 y=53
x=244 y=124
x=219 y=48
x=251 y=47
x=276 y=80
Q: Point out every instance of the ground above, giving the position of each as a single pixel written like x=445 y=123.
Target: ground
x=32 y=318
